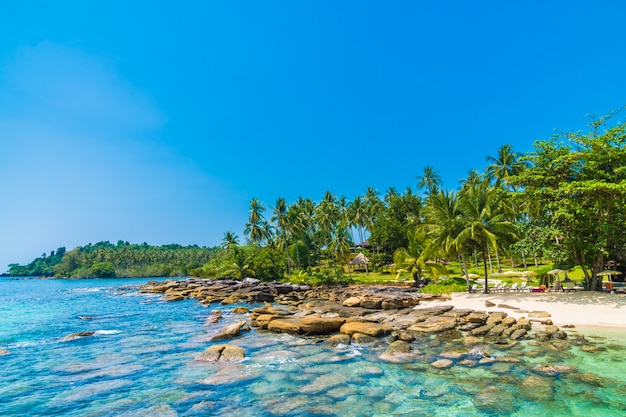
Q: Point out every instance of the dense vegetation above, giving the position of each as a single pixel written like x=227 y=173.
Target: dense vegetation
x=565 y=201
x=123 y=259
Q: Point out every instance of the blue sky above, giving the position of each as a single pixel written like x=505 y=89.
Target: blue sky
x=158 y=121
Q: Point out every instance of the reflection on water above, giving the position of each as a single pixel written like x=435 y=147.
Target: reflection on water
x=140 y=361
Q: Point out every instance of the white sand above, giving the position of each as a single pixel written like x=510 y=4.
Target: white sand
x=580 y=308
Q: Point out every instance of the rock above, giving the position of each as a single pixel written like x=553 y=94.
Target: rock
x=518 y=334
x=362 y=339
x=477 y=317
x=493 y=400
x=553 y=370
x=435 y=324
x=489 y=304
x=559 y=335
x=537 y=388
x=229 y=332
x=221 y=353
x=542 y=336
x=337 y=339
x=539 y=314
x=591 y=348
x=4 y=352
x=371 y=329
x=283 y=325
x=442 y=364
x=77 y=335
x=241 y=310
x=372 y=303
x=482 y=330
x=507 y=307
x=321 y=325
x=264 y=320
x=352 y=302
x=523 y=324
x=551 y=329
x=472 y=341
x=397 y=351
x=262 y=297
x=232 y=299
x=213 y=318
x=250 y=281
x=230 y=375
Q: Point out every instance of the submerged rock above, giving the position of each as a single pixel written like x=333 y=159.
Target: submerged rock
x=77 y=335
x=222 y=353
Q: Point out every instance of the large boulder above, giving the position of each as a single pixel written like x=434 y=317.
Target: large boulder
x=397 y=351
x=229 y=332
x=321 y=325
x=368 y=328
x=283 y=325
x=222 y=353
x=435 y=324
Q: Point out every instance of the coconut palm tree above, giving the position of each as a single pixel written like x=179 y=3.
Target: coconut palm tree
x=430 y=180
x=444 y=221
x=229 y=240
x=418 y=257
x=505 y=165
x=483 y=220
x=280 y=220
x=257 y=228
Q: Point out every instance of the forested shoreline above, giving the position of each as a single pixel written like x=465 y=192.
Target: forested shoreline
x=564 y=201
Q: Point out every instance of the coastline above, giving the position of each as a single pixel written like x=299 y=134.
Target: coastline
x=583 y=308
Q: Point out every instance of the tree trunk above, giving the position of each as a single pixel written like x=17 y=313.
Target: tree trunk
x=469 y=285
x=489 y=257
x=485 y=268
x=498 y=259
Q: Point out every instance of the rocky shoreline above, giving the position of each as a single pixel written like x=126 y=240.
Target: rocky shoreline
x=397 y=316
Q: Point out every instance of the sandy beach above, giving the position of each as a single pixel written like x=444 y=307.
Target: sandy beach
x=580 y=308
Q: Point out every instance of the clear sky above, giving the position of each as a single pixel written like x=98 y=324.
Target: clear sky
x=158 y=121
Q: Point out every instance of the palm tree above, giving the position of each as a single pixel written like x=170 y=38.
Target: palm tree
x=505 y=165
x=430 y=180
x=484 y=221
x=239 y=266
x=229 y=240
x=257 y=229
x=444 y=222
x=280 y=220
x=417 y=257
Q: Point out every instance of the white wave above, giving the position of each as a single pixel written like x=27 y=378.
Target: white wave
x=103 y=332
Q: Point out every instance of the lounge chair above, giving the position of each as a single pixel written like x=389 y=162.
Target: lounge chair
x=523 y=287
x=514 y=287
x=474 y=288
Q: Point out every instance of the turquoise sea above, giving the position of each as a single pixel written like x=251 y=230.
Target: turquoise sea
x=140 y=362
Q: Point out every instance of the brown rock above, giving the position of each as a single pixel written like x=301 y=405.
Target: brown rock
x=442 y=364
x=77 y=335
x=337 y=339
x=539 y=314
x=284 y=326
x=222 y=353
x=352 y=302
x=229 y=332
x=371 y=329
x=321 y=325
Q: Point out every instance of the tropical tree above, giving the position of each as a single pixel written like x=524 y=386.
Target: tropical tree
x=257 y=229
x=484 y=223
x=281 y=220
x=579 y=180
x=418 y=257
x=430 y=180
x=229 y=240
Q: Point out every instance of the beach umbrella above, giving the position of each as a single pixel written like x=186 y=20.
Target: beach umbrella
x=608 y=273
x=473 y=276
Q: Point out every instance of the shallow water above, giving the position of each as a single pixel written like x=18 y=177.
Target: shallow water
x=140 y=361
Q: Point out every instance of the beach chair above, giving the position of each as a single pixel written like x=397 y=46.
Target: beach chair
x=514 y=287
x=569 y=287
x=523 y=287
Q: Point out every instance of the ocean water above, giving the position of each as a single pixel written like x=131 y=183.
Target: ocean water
x=140 y=362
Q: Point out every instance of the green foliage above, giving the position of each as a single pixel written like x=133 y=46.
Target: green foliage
x=300 y=254
x=446 y=286
x=268 y=264
x=43 y=265
x=131 y=260
x=102 y=270
x=327 y=276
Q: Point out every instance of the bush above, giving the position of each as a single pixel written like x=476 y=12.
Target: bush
x=446 y=286
x=102 y=270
